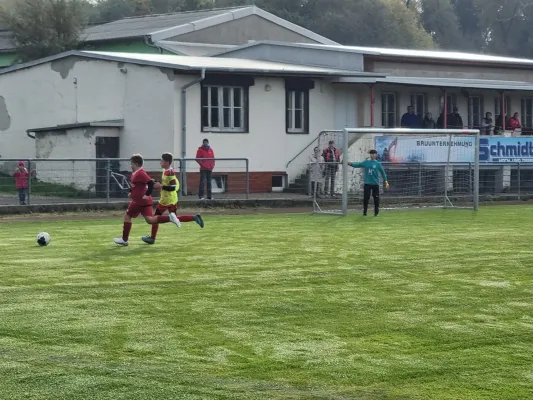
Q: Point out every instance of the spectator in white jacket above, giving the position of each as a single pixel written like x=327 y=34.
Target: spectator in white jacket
x=316 y=172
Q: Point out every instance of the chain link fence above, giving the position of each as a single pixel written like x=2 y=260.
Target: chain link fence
x=92 y=180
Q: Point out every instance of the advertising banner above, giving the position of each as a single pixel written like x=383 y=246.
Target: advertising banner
x=505 y=149
x=492 y=149
x=425 y=149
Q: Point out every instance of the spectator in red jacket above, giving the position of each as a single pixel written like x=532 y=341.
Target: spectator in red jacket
x=206 y=168
x=21 y=182
x=514 y=122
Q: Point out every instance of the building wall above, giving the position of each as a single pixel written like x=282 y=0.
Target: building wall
x=304 y=56
x=65 y=145
x=74 y=90
x=266 y=145
x=433 y=96
x=240 y=31
x=446 y=71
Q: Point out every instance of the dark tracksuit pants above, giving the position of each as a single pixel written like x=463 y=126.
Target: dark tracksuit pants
x=374 y=191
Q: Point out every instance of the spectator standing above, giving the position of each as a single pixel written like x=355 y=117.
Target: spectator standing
x=410 y=119
x=21 y=182
x=514 y=122
x=316 y=169
x=331 y=158
x=455 y=121
x=206 y=168
x=487 y=124
x=429 y=122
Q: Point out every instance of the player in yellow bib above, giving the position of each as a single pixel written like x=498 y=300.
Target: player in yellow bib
x=168 y=200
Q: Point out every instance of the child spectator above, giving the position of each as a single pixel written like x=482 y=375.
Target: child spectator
x=21 y=182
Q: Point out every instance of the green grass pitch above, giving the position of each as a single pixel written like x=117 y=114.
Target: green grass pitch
x=425 y=304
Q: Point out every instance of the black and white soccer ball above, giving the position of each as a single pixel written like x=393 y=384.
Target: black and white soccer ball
x=43 y=239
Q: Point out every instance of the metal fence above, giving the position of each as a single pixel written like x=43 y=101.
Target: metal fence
x=54 y=181
x=497 y=180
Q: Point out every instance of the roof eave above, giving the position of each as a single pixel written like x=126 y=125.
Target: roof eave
x=442 y=61
x=185 y=69
x=119 y=123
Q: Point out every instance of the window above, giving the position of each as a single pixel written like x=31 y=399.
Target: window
x=498 y=107
x=475 y=111
x=297 y=102
x=451 y=102
x=527 y=113
x=388 y=110
x=419 y=103
x=224 y=108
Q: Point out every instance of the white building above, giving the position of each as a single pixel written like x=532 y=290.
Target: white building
x=264 y=101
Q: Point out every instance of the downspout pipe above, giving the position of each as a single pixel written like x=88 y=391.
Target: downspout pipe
x=184 y=129
x=30 y=135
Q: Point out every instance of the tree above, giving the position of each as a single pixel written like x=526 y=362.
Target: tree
x=43 y=28
x=440 y=20
x=506 y=25
x=468 y=15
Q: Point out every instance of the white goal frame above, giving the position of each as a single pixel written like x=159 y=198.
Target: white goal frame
x=404 y=132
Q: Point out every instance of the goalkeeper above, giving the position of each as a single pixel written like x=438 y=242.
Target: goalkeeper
x=372 y=170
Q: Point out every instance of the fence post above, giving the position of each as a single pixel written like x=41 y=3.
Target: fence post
x=30 y=175
x=108 y=179
x=471 y=178
x=183 y=176
x=247 y=179
x=518 y=176
x=419 y=179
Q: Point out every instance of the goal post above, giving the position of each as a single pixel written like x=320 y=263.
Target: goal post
x=425 y=167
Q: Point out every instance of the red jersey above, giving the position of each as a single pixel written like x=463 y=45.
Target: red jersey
x=139 y=186
x=21 y=178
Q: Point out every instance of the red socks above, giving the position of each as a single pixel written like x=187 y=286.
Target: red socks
x=186 y=218
x=126 y=231
x=163 y=219
x=155 y=228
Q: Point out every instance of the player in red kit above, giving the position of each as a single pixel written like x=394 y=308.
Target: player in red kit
x=141 y=200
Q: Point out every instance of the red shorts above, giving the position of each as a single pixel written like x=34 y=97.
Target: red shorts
x=134 y=209
x=170 y=208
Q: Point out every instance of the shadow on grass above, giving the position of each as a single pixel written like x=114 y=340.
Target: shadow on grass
x=117 y=252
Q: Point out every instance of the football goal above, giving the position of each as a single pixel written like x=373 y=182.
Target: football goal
x=424 y=167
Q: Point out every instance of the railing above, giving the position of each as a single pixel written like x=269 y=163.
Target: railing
x=54 y=181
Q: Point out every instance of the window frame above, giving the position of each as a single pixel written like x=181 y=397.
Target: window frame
x=524 y=114
x=291 y=110
x=451 y=102
x=414 y=104
x=387 y=112
x=206 y=103
x=470 y=113
x=498 y=108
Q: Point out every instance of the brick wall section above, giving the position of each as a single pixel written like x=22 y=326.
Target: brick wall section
x=260 y=182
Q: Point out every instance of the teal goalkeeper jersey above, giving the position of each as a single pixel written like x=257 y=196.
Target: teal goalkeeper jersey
x=372 y=170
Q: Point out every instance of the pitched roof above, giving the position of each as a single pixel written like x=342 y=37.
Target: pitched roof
x=164 y=26
x=189 y=64
x=139 y=26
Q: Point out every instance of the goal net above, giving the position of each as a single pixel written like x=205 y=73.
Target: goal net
x=424 y=167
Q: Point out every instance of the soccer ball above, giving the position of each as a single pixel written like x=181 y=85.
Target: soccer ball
x=43 y=239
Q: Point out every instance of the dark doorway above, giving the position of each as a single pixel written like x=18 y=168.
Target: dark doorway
x=106 y=147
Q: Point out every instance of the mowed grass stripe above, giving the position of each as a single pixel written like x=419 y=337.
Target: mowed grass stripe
x=425 y=304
